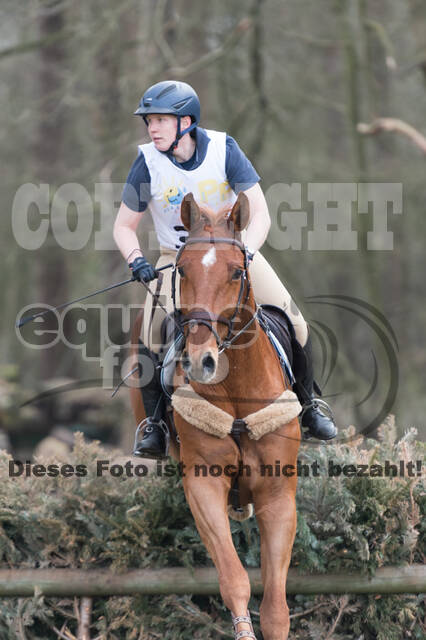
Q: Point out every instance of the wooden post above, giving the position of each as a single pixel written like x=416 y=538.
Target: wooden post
x=85 y=619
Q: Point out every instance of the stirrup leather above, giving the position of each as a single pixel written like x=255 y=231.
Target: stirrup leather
x=242 y=634
x=146 y=426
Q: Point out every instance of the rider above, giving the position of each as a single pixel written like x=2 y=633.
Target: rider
x=181 y=158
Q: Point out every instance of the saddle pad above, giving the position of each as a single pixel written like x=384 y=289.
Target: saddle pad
x=280 y=332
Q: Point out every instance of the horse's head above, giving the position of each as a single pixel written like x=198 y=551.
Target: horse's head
x=213 y=282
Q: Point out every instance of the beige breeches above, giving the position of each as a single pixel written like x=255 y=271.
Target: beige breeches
x=267 y=288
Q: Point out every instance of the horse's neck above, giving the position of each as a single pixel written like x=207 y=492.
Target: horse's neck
x=252 y=353
x=254 y=364
x=255 y=378
x=256 y=345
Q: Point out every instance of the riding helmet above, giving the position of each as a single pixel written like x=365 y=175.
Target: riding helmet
x=171 y=97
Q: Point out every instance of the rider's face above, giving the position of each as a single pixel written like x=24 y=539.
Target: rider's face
x=162 y=130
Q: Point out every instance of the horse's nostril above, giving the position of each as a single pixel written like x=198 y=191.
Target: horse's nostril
x=186 y=362
x=208 y=363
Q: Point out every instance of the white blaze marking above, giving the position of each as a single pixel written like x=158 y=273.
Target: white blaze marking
x=209 y=258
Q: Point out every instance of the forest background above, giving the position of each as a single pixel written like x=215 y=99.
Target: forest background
x=292 y=82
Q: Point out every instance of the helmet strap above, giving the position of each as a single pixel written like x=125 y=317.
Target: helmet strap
x=178 y=137
x=180 y=134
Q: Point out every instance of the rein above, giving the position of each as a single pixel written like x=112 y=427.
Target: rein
x=197 y=317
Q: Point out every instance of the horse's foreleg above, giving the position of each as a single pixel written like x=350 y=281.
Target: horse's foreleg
x=207 y=498
x=276 y=516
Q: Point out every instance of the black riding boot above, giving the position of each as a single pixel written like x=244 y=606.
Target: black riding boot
x=154 y=441
x=319 y=424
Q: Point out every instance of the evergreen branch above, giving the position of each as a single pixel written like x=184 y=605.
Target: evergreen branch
x=305 y=613
x=342 y=605
x=61 y=635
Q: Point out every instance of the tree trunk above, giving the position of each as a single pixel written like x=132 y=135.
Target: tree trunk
x=48 y=154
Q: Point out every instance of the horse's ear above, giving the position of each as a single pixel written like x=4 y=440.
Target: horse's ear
x=189 y=212
x=240 y=214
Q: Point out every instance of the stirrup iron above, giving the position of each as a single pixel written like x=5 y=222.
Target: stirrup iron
x=320 y=404
x=145 y=425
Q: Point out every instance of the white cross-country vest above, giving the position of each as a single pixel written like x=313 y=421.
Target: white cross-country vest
x=169 y=184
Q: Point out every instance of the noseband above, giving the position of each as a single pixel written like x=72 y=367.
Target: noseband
x=194 y=318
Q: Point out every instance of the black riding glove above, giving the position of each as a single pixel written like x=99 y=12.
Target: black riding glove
x=142 y=270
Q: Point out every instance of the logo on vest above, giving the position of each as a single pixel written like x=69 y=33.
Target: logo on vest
x=210 y=192
x=173 y=196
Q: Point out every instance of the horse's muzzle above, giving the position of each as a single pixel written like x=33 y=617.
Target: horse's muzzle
x=202 y=368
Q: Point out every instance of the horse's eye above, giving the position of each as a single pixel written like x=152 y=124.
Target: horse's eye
x=181 y=272
x=237 y=274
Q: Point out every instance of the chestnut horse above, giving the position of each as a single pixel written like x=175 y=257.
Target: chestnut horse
x=237 y=370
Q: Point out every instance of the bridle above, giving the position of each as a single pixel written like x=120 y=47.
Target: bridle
x=197 y=317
